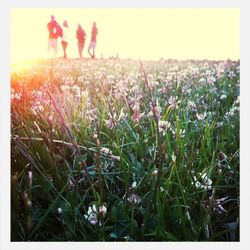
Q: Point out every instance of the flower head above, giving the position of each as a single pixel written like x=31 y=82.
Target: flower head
x=164 y=126
x=92 y=214
x=134 y=198
x=203 y=182
x=201 y=116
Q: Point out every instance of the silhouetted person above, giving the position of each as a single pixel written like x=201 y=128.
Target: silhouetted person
x=53 y=35
x=81 y=37
x=65 y=37
x=92 y=44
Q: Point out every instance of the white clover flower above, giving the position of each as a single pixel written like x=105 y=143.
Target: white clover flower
x=201 y=116
x=218 y=208
x=106 y=151
x=191 y=105
x=102 y=210
x=173 y=156
x=172 y=100
x=203 y=182
x=92 y=214
x=155 y=172
x=181 y=132
x=207 y=182
x=111 y=123
x=222 y=97
x=202 y=80
x=134 y=198
x=134 y=184
x=164 y=126
x=59 y=210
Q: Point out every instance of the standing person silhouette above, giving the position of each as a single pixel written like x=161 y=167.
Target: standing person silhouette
x=92 y=44
x=53 y=35
x=81 y=37
x=65 y=37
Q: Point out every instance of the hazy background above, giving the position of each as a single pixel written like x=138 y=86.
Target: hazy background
x=133 y=33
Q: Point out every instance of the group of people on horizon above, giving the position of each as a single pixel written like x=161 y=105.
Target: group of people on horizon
x=56 y=31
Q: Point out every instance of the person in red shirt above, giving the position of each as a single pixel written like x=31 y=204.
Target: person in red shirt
x=53 y=35
x=92 y=44
x=81 y=37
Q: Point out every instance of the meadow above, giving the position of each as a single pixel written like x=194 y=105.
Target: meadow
x=125 y=150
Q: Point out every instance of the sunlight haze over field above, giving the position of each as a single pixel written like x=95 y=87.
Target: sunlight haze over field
x=132 y=33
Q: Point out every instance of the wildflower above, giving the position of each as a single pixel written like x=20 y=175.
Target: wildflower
x=192 y=105
x=109 y=153
x=173 y=102
x=201 y=117
x=134 y=199
x=216 y=204
x=155 y=110
x=134 y=184
x=136 y=113
x=59 y=210
x=202 y=81
x=211 y=79
x=222 y=158
x=57 y=75
x=155 y=172
x=173 y=156
x=111 y=123
x=186 y=90
x=102 y=210
x=80 y=79
x=92 y=214
x=203 y=183
x=106 y=151
x=222 y=97
x=163 y=126
x=181 y=132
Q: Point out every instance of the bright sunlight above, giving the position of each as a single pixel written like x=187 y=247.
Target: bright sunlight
x=132 y=33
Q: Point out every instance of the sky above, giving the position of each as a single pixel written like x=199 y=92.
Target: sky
x=144 y=33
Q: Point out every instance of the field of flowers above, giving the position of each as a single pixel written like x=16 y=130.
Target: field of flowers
x=124 y=150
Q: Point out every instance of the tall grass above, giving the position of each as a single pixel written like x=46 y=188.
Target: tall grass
x=122 y=150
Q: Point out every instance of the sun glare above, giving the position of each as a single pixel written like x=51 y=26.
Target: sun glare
x=132 y=33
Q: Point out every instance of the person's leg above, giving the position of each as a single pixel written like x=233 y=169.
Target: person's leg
x=93 y=46
x=63 y=49
x=89 y=52
x=64 y=45
x=82 y=47
x=55 y=47
x=79 y=49
x=48 y=48
x=90 y=46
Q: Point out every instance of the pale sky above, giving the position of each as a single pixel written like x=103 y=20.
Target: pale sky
x=136 y=33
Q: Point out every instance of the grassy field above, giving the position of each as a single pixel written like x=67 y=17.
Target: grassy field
x=123 y=150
